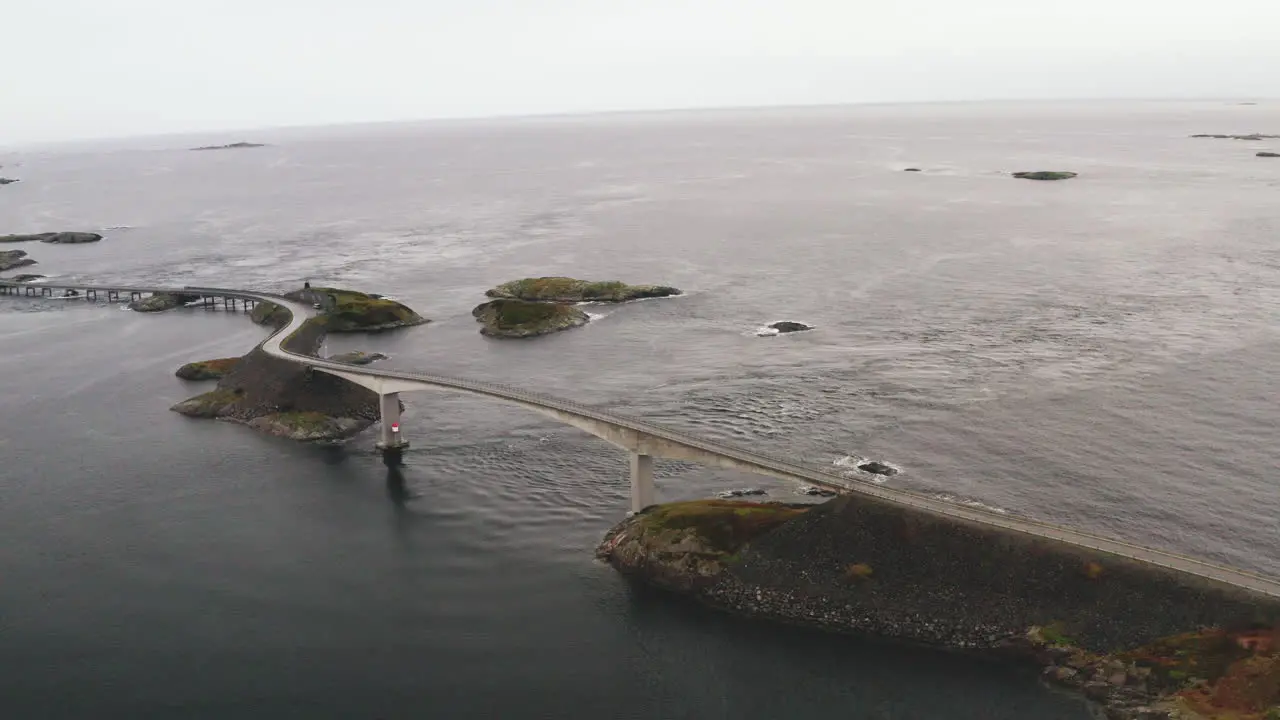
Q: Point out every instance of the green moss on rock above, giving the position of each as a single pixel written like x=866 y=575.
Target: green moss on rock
x=207 y=369
x=566 y=290
x=351 y=311
x=517 y=319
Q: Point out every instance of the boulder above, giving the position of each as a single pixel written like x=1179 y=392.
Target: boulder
x=815 y=491
x=876 y=467
x=569 y=290
x=207 y=369
x=1045 y=175
x=161 y=302
x=6 y=181
x=25 y=278
x=912 y=170
x=507 y=318
x=1269 y=154
x=10 y=259
x=357 y=357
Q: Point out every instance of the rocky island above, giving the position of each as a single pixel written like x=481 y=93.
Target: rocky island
x=10 y=259
x=1141 y=640
x=1269 y=154
x=507 y=318
x=232 y=146
x=1253 y=136
x=1045 y=175
x=569 y=290
x=783 y=327
x=282 y=398
x=161 y=302
x=344 y=311
x=57 y=238
x=7 y=181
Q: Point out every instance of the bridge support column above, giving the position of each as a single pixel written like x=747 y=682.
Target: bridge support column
x=389 y=438
x=642 y=491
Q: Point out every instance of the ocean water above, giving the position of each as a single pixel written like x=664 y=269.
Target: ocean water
x=1100 y=353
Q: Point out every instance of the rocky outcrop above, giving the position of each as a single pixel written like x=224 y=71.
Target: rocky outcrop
x=357 y=357
x=783 y=327
x=507 y=318
x=62 y=238
x=232 y=146
x=282 y=398
x=343 y=311
x=1269 y=154
x=161 y=302
x=25 y=278
x=7 y=181
x=875 y=467
x=1254 y=136
x=10 y=259
x=1045 y=175
x=207 y=369
x=912 y=170
x=860 y=564
x=569 y=290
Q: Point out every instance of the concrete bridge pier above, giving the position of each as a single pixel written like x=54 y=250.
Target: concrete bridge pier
x=389 y=437
x=642 y=491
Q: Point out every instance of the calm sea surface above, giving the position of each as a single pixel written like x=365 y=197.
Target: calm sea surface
x=1102 y=353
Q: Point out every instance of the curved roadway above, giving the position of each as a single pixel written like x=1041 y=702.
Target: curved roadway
x=299 y=313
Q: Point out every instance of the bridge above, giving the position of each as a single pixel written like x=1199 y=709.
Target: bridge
x=642 y=440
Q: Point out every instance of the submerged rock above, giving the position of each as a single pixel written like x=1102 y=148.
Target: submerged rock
x=161 y=302
x=1269 y=154
x=63 y=238
x=506 y=318
x=343 y=311
x=567 y=290
x=207 y=369
x=25 y=278
x=1045 y=175
x=815 y=491
x=10 y=259
x=878 y=468
x=912 y=170
x=357 y=357
x=232 y=146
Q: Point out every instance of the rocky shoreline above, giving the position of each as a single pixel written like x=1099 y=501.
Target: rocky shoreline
x=1095 y=623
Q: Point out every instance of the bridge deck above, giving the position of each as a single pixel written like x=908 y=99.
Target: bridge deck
x=300 y=312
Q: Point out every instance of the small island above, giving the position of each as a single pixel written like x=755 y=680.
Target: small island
x=1045 y=175
x=1254 y=136
x=783 y=327
x=7 y=181
x=10 y=259
x=207 y=369
x=1269 y=154
x=231 y=146
x=508 y=318
x=54 y=238
x=569 y=290
x=161 y=302
x=343 y=311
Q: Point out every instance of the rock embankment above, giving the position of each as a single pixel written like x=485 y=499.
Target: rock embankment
x=343 y=311
x=506 y=318
x=56 y=238
x=569 y=290
x=282 y=398
x=207 y=369
x=859 y=564
x=10 y=259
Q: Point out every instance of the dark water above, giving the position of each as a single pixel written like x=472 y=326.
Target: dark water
x=1101 y=353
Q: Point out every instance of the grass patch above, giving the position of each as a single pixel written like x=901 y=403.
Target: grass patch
x=723 y=526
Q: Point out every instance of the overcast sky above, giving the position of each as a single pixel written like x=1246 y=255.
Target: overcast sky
x=91 y=68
